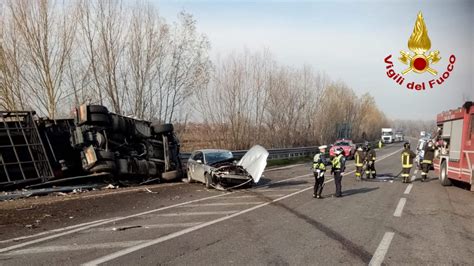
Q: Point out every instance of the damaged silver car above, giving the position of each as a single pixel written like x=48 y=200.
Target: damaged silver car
x=219 y=169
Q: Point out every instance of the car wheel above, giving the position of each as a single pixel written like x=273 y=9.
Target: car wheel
x=207 y=180
x=443 y=175
x=162 y=128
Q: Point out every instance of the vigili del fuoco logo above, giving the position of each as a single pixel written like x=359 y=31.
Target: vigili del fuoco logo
x=421 y=60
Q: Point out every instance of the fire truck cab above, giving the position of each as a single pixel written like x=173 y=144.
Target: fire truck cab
x=455 y=158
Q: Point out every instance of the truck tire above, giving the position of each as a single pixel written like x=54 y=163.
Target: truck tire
x=443 y=175
x=98 y=109
x=170 y=175
x=105 y=156
x=162 y=128
x=207 y=181
x=100 y=119
x=103 y=167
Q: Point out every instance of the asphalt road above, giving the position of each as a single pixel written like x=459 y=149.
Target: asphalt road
x=380 y=221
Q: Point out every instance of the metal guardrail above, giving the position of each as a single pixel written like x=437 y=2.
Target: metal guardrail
x=283 y=153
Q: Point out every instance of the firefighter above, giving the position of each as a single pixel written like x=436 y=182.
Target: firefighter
x=319 y=168
x=338 y=167
x=427 y=160
x=359 y=158
x=370 y=158
x=407 y=162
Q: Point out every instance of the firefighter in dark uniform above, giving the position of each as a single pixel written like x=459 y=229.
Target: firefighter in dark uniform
x=338 y=167
x=427 y=160
x=370 y=158
x=319 y=168
x=359 y=158
x=407 y=162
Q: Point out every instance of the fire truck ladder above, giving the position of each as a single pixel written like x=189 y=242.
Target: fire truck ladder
x=23 y=157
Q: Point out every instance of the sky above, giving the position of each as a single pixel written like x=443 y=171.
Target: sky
x=348 y=41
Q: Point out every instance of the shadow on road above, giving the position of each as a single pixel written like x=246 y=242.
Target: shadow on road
x=288 y=183
x=358 y=191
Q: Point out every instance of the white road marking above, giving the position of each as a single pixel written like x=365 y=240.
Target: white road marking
x=193 y=213
x=252 y=196
x=284 y=167
x=185 y=231
x=382 y=249
x=68 y=248
x=49 y=232
x=116 y=219
x=276 y=190
x=399 y=209
x=146 y=226
x=221 y=204
x=408 y=189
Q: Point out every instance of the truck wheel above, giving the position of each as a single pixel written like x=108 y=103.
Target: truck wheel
x=101 y=119
x=443 y=175
x=208 y=180
x=104 y=166
x=98 y=109
x=105 y=156
x=162 y=128
x=171 y=175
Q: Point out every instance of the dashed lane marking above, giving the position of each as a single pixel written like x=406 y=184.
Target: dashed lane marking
x=221 y=204
x=408 y=189
x=382 y=249
x=185 y=231
x=193 y=213
x=69 y=248
x=399 y=209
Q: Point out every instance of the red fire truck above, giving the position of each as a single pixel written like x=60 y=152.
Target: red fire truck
x=455 y=160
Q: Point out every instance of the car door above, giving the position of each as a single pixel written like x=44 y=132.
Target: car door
x=198 y=167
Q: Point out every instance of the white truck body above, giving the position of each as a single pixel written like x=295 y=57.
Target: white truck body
x=387 y=135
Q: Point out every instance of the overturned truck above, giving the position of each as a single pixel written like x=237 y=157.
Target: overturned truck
x=95 y=143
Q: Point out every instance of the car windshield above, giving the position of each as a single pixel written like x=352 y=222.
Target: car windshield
x=387 y=133
x=342 y=143
x=214 y=157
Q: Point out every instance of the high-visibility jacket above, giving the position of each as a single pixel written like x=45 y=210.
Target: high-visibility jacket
x=407 y=158
x=428 y=155
x=338 y=163
x=319 y=162
x=359 y=158
x=371 y=156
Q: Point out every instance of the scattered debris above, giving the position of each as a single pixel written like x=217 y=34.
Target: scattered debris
x=149 y=191
x=60 y=191
x=110 y=186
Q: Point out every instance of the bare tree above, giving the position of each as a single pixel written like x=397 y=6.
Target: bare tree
x=45 y=37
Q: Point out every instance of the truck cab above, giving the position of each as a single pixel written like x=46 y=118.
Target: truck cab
x=387 y=135
x=455 y=141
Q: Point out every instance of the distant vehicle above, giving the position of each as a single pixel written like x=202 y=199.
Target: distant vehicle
x=219 y=169
x=456 y=131
x=346 y=144
x=387 y=135
x=422 y=133
x=399 y=137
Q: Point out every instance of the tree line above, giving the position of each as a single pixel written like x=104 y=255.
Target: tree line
x=58 y=54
